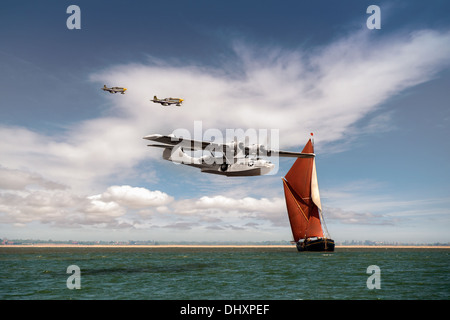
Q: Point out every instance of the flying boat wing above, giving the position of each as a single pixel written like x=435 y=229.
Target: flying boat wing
x=281 y=153
x=260 y=150
x=172 y=140
x=165 y=146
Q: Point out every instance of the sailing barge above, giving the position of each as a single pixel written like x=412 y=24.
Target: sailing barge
x=301 y=191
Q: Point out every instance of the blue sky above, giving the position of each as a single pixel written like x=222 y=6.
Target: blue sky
x=74 y=165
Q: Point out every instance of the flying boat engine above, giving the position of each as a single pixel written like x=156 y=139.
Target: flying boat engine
x=208 y=159
x=256 y=149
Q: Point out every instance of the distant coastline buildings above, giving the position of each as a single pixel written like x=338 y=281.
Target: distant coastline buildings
x=30 y=242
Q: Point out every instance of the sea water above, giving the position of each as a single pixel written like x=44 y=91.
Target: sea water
x=223 y=273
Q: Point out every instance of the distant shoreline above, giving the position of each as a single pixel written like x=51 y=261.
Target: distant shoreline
x=49 y=245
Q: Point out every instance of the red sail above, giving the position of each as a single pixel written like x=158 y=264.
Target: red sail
x=299 y=176
x=297 y=219
x=314 y=225
x=303 y=212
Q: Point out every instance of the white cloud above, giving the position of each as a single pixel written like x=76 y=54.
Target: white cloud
x=232 y=210
x=80 y=157
x=211 y=217
x=338 y=215
x=134 y=198
x=45 y=206
x=135 y=207
x=248 y=204
x=66 y=209
x=18 y=180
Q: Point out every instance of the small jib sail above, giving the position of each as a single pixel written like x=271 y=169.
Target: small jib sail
x=301 y=191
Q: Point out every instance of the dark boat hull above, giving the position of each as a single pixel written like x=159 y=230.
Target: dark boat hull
x=326 y=245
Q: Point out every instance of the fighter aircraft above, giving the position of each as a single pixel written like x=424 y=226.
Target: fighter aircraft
x=236 y=159
x=114 y=89
x=168 y=101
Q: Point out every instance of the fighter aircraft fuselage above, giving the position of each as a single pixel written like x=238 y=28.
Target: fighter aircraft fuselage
x=114 y=89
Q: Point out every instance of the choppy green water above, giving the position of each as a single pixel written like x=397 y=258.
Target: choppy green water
x=223 y=273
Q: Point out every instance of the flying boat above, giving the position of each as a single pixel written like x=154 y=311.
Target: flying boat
x=231 y=159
